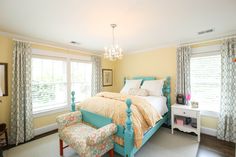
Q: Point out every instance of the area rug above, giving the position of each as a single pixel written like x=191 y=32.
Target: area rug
x=162 y=144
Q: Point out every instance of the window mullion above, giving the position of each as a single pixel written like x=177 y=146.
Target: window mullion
x=68 y=67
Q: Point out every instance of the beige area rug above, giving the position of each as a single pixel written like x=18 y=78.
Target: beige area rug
x=162 y=144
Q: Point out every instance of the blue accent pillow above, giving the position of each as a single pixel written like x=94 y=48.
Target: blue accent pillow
x=143 y=78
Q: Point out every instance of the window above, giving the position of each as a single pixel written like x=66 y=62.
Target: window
x=81 y=78
x=205 y=74
x=54 y=76
x=49 y=84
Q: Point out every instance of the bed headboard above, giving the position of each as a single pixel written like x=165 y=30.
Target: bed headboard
x=143 y=78
x=166 y=88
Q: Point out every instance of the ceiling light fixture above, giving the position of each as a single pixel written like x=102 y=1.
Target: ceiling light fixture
x=113 y=52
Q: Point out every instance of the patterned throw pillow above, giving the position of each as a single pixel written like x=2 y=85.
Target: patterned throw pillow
x=138 y=92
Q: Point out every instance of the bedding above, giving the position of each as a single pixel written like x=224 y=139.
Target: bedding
x=130 y=84
x=159 y=103
x=113 y=105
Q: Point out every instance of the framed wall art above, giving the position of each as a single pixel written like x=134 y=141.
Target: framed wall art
x=107 y=77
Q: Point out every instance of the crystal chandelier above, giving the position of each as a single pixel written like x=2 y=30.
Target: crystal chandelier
x=113 y=52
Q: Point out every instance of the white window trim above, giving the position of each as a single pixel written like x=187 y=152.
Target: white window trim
x=60 y=54
x=207 y=51
x=68 y=81
x=68 y=58
x=51 y=111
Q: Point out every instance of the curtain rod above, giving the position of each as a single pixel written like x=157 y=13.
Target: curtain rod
x=207 y=41
x=58 y=47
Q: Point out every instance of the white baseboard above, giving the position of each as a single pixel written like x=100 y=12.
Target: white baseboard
x=208 y=131
x=45 y=129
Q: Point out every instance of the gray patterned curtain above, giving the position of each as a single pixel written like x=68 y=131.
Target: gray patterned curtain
x=183 y=55
x=21 y=126
x=96 y=75
x=227 y=120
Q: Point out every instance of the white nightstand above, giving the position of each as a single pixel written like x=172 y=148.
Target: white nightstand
x=185 y=111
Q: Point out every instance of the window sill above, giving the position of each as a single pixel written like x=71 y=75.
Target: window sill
x=207 y=113
x=50 y=111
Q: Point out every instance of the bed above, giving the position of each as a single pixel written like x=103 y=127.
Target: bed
x=126 y=131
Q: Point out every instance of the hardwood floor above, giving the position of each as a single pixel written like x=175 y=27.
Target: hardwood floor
x=212 y=147
x=35 y=138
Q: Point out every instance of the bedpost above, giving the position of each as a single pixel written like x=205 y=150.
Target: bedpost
x=129 y=132
x=73 y=101
x=167 y=91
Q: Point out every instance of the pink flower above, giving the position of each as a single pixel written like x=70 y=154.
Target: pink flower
x=188 y=97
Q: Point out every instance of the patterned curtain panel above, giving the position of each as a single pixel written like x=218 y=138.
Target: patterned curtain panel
x=183 y=55
x=21 y=126
x=96 y=75
x=227 y=121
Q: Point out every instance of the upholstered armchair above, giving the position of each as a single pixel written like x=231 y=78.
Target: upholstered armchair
x=84 y=139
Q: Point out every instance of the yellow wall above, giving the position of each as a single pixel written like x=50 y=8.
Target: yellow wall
x=209 y=122
x=159 y=63
x=6 y=45
x=106 y=64
x=6 y=57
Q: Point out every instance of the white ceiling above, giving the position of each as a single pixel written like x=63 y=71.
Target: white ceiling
x=142 y=24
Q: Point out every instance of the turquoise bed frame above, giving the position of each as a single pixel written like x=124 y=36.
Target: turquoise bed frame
x=126 y=132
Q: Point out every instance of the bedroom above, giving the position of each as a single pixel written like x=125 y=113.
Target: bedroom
x=50 y=48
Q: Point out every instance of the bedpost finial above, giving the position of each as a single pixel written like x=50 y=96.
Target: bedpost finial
x=128 y=102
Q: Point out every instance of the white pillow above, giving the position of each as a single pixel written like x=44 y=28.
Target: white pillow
x=130 y=84
x=154 y=87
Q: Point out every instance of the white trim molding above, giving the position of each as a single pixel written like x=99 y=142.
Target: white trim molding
x=45 y=129
x=51 y=111
x=51 y=44
x=208 y=131
x=206 y=50
x=59 y=54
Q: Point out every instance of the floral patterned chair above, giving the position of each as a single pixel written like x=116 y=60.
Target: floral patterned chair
x=84 y=139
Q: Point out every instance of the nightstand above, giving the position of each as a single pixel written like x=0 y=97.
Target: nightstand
x=185 y=111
